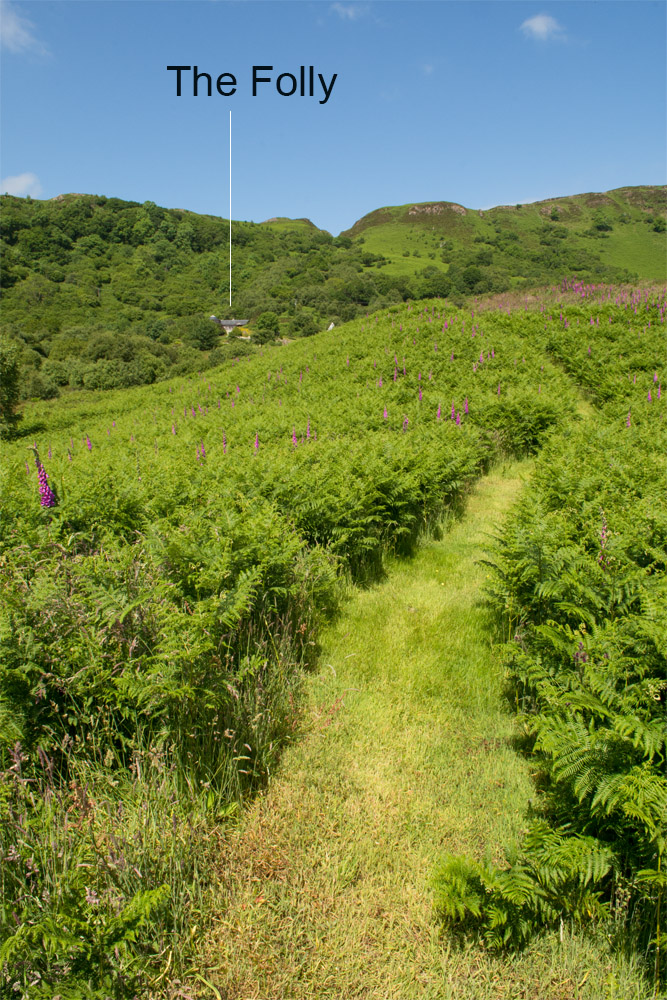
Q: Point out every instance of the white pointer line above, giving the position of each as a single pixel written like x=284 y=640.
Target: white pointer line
x=230 y=208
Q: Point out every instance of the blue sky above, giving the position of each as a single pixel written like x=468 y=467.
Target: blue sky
x=482 y=103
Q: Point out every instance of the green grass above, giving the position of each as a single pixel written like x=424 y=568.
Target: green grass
x=631 y=243
x=638 y=248
x=283 y=224
x=406 y=752
x=406 y=757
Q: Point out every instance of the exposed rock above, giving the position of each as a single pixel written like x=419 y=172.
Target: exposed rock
x=436 y=209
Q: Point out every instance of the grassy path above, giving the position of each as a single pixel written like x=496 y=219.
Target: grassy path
x=327 y=881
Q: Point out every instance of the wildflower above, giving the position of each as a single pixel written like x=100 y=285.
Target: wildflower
x=420 y=394
x=405 y=423
x=47 y=497
x=465 y=405
x=385 y=414
x=453 y=413
x=458 y=418
x=499 y=388
x=604 y=534
x=438 y=415
x=89 y=443
x=649 y=396
x=627 y=422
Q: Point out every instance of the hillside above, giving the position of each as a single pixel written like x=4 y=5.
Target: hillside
x=103 y=293
x=621 y=228
x=175 y=558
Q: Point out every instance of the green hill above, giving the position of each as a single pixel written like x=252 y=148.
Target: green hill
x=511 y=243
x=282 y=224
x=103 y=293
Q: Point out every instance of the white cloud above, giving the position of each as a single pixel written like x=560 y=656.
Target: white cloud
x=349 y=11
x=21 y=185
x=542 y=27
x=16 y=31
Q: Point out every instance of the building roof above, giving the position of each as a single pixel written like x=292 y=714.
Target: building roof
x=230 y=322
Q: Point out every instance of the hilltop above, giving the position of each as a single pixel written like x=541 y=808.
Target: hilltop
x=595 y=231
x=103 y=293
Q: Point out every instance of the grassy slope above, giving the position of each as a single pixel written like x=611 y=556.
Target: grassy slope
x=283 y=224
x=631 y=244
x=406 y=758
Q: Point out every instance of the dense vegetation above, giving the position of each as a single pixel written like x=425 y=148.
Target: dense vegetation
x=156 y=619
x=581 y=591
x=593 y=235
x=169 y=553
x=102 y=293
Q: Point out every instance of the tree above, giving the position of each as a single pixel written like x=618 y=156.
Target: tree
x=601 y=223
x=470 y=277
x=303 y=325
x=267 y=328
x=203 y=334
x=9 y=390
